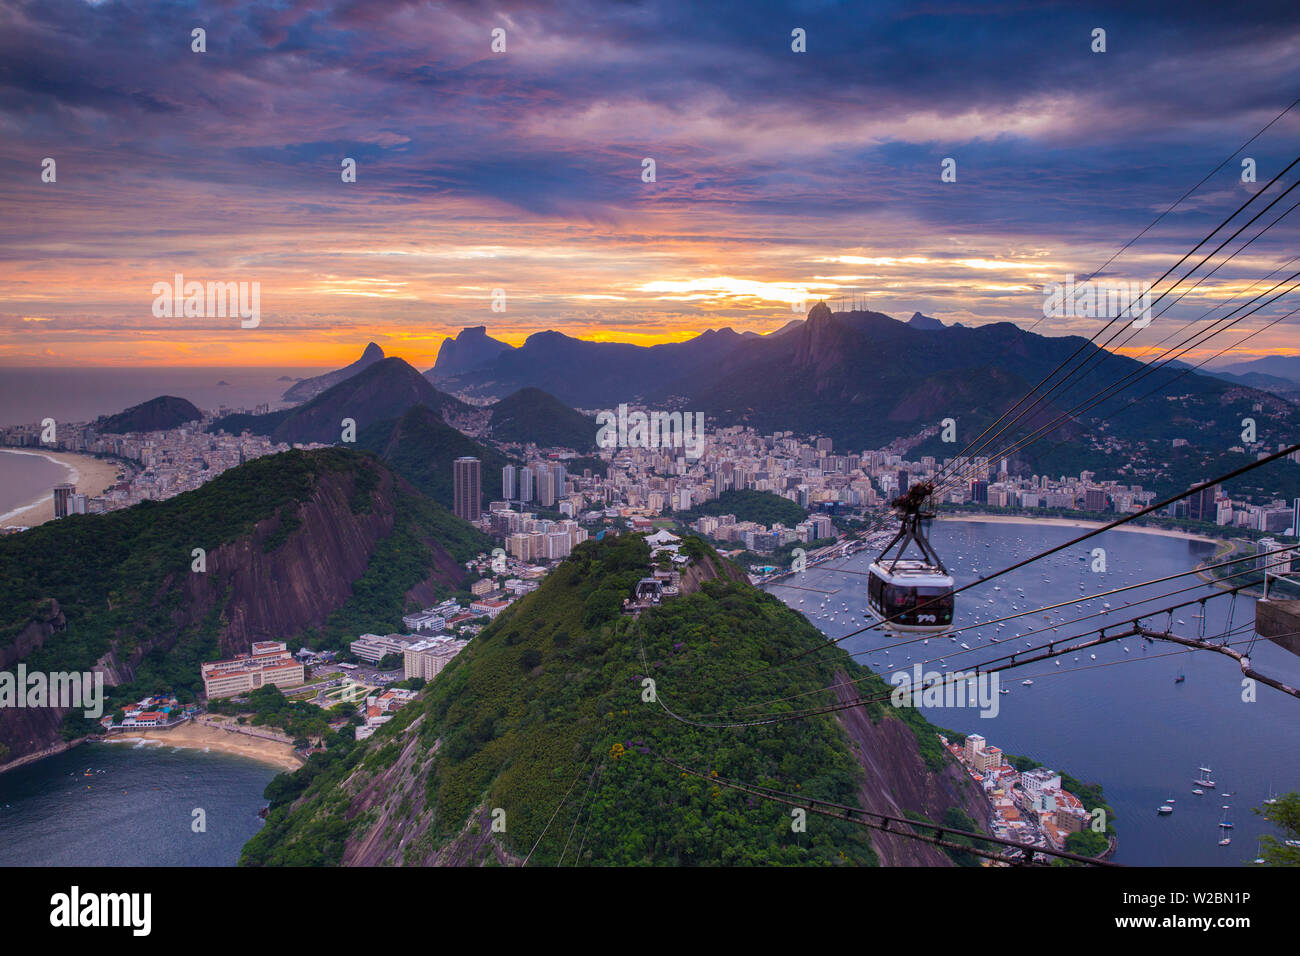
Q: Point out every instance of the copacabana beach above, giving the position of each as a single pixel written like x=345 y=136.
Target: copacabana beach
x=28 y=477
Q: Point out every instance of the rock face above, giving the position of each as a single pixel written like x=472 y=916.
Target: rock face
x=309 y=388
x=471 y=348
x=268 y=596
x=897 y=781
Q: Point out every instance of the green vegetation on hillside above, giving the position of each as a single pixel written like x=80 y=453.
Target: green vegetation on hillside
x=762 y=507
x=421 y=447
x=549 y=701
x=532 y=415
x=157 y=414
x=119 y=577
x=270 y=708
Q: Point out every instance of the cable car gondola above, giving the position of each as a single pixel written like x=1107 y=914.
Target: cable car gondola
x=906 y=594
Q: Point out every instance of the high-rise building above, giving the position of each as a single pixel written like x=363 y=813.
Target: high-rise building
x=525 y=484
x=509 y=483
x=546 y=490
x=1200 y=506
x=467 y=488
x=62 y=494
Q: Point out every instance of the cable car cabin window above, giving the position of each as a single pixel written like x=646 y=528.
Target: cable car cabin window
x=897 y=596
x=937 y=601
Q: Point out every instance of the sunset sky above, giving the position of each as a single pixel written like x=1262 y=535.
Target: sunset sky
x=780 y=175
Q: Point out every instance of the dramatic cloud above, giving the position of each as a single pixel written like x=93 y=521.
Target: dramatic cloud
x=778 y=175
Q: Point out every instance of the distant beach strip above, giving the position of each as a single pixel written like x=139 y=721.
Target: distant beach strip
x=91 y=475
x=1073 y=523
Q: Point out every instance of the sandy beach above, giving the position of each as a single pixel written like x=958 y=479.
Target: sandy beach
x=1072 y=523
x=91 y=476
x=194 y=736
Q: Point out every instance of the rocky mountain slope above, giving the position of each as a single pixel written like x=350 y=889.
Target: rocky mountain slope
x=537 y=744
x=471 y=348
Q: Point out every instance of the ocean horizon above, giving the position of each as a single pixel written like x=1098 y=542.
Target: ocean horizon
x=30 y=394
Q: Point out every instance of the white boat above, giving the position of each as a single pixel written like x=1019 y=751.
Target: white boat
x=1026 y=683
x=1164 y=810
x=1204 y=779
x=1199 y=792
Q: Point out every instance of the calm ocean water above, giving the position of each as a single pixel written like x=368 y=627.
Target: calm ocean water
x=135 y=809
x=24 y=478
x=1120 y=720
x=81 y=394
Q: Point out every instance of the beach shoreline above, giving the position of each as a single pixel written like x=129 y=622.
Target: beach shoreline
x=1078 y=523
x=92 y=476
x=195 y=736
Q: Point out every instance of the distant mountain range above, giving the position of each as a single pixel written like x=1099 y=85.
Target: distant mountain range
x=591 y=374
x=309 y=388
x=863 y=379
x=866 y=379
x=1283 y=367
